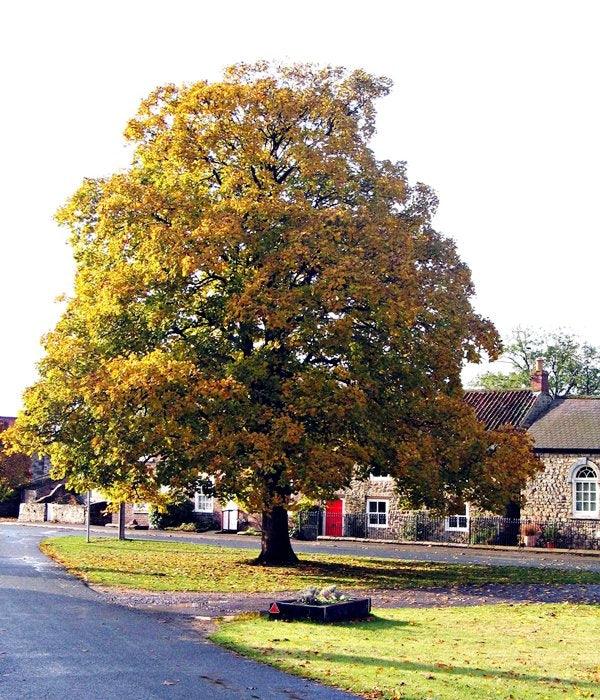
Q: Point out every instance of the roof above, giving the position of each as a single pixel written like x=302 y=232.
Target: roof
x=497 y=408
x=569 y=425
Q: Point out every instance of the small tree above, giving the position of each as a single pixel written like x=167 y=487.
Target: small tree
x=259 y=300
x=15 y=469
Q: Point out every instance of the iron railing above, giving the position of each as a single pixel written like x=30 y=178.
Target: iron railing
x=424 y=527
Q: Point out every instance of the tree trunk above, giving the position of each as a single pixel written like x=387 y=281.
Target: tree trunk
x=276 y=548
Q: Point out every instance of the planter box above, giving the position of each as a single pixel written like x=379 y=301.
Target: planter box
x=334 y=612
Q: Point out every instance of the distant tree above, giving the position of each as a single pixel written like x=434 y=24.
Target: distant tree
x=260 y=300
x=501 y=380
x=573 y=366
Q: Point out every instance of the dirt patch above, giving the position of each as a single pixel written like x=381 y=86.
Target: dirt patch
x=204 y=607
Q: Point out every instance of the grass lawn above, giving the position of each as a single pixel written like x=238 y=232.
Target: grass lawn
x=176 y=566
x=502 y=651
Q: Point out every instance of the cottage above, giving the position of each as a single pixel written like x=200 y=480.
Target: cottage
x=563 y=497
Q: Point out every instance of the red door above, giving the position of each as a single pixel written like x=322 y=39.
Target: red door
x=334 y=518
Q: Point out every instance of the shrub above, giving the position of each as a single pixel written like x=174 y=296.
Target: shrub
x=177 y=514
x=484 y=535
x=6 y=490
x=551 y=532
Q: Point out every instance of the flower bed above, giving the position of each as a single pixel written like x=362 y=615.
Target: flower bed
x=325 y=605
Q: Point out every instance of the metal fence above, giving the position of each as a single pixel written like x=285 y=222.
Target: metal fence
x=423 y=527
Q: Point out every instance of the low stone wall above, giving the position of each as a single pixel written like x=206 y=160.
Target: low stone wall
x=71 y=514
x=32 y=512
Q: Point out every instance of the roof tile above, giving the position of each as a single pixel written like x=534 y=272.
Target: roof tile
x=500 y=408
x=569 y=424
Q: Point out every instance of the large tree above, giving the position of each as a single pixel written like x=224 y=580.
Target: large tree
x=573 y=366
x=262 y=302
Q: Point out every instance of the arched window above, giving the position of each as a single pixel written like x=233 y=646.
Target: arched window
x=586 y=489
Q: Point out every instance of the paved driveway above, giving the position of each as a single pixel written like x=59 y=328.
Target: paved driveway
x=59 y=639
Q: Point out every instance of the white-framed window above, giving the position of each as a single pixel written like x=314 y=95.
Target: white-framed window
x=140 y=508
x=459 y=521
x=203 y=503
x=377 y=513
x=586 y=488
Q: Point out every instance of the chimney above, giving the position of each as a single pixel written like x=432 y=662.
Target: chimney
x=539 y=379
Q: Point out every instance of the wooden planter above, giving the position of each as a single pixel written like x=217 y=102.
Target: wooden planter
x=335 y=612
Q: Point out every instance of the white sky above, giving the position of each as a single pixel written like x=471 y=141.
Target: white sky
x=495 y=105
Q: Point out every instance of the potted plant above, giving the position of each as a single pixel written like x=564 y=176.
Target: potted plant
x=551 y=535
x=320 y=605
x=530 y=533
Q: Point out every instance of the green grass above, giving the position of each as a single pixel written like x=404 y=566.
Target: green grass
x=503 y=651
x=175 y=566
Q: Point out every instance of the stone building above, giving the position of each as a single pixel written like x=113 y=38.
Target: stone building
x=566 y=435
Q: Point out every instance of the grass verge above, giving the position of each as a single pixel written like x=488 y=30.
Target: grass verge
x=176 y=566
x=522 y=652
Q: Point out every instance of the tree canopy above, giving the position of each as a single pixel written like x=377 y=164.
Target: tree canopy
x=15 y=469
x=259 y=300
x=573 y=365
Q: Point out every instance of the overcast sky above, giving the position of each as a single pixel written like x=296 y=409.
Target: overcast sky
x=495 y=105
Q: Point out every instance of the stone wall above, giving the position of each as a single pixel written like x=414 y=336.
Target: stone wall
x=355 y=497
x=549 y=495
x=32 y=512
x=60 y=513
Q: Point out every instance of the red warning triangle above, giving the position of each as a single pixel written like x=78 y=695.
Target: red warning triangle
x=274 y=609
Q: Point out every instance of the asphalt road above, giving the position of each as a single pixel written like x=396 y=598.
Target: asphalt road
x=59 y=639
x=462 y=555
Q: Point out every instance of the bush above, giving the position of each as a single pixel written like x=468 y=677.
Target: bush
x=6 y=490
x=177 y=514
x=485 y=534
